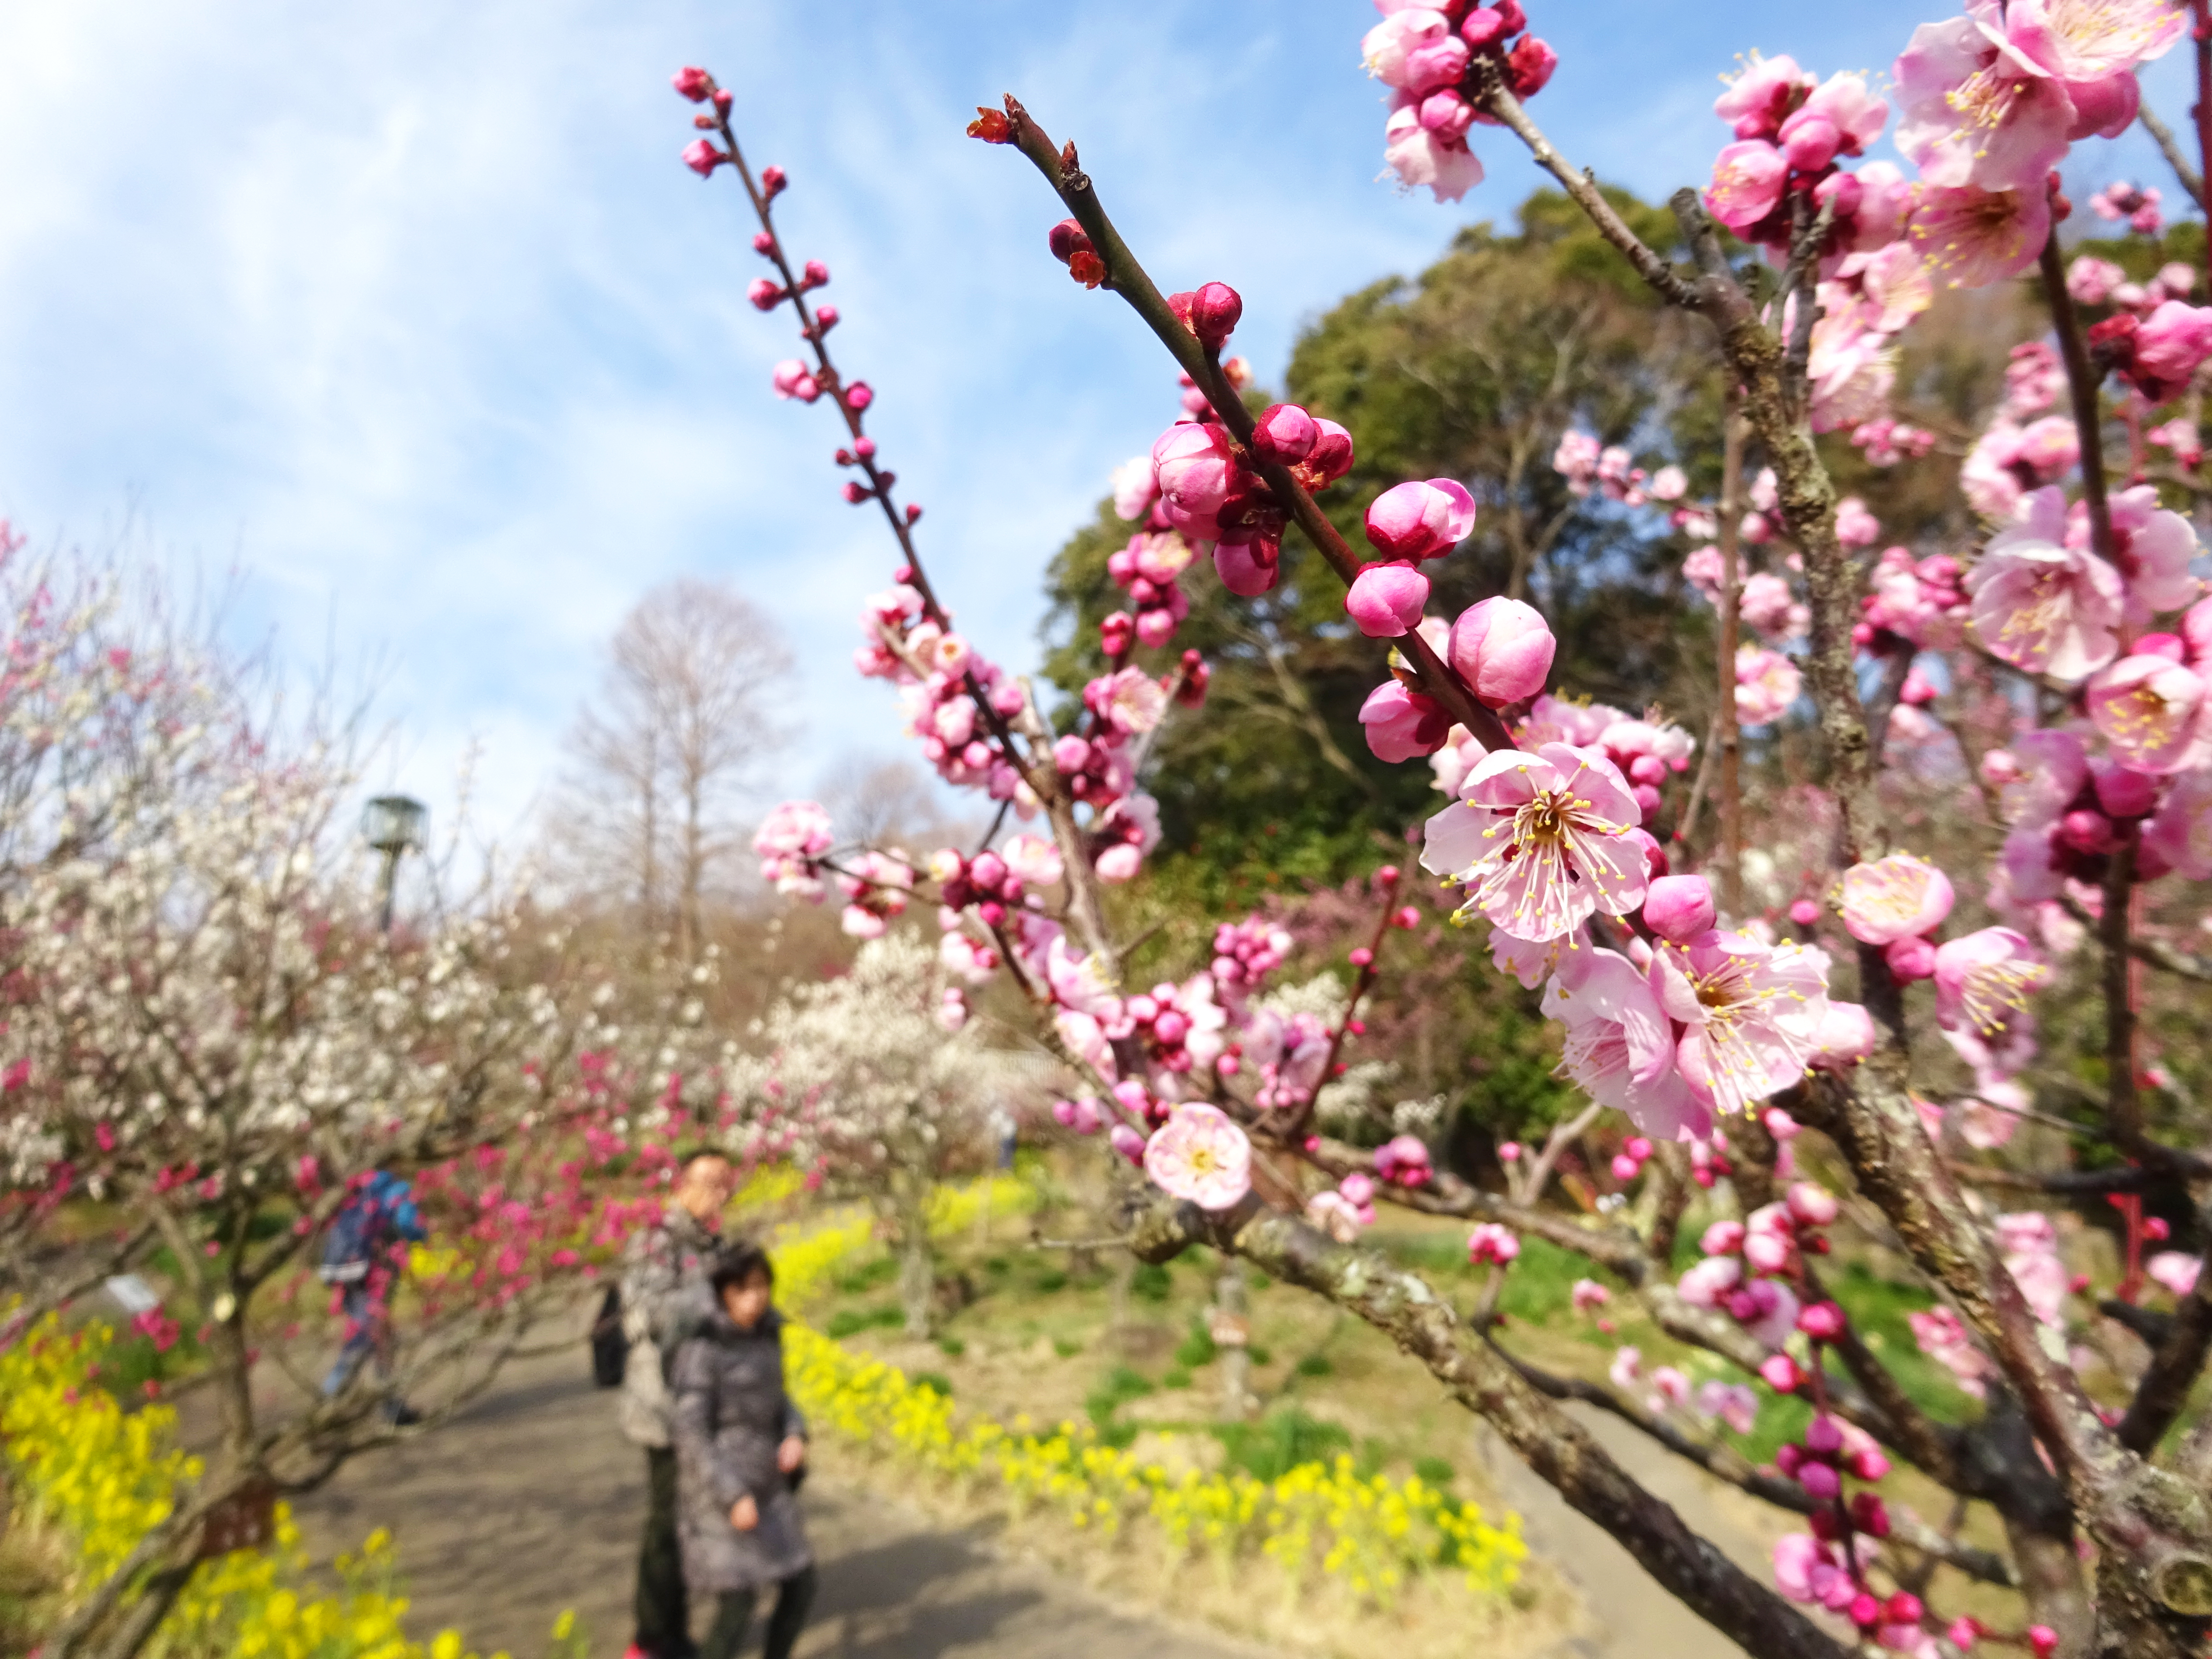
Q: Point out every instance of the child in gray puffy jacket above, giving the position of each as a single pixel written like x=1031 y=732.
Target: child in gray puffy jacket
x=738 y=1442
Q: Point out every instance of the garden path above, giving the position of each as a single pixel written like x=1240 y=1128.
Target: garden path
x=531 y=1502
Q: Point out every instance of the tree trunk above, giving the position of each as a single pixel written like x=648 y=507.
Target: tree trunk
x=917 y=1268
x=1235 y=1360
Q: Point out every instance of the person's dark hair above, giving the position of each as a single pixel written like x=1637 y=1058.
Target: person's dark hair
x=738 y=1263
x=692 y=1154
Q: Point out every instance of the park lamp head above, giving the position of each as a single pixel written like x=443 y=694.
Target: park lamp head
x=394 y=824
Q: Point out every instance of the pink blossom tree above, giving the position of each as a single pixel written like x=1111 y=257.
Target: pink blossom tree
x=1711 y=1011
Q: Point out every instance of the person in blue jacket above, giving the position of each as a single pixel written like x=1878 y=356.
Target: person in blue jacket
x=363 y=1253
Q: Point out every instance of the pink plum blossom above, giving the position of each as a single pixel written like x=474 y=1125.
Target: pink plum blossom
x=1747 y=183
x=1894 y=898
x=1502 y=649
x=1846 y=1036
x=2040 y=606
x=2180 y=831
x=1969 y=237
x=1750 y=1013
x=1620 y=1045
x=1419 y=156
x=1976 y=115
x=1489 y=1242
x=1766 y=684
x=1982 y=981
x=1542 y=841
x=1201 y=1156
x=2153 y=712
x=2174 y=1270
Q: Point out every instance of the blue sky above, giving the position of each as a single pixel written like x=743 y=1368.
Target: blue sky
x=409 y=316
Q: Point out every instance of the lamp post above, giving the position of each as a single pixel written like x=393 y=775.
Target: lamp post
x=392 y=824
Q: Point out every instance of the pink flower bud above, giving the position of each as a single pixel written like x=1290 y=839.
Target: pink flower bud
x=1911 y=959
x=1813 y=1206
x=1869 y=1464
x=866 y=449
x=1071 y=754
x=1067 y=240
x=693 y=82
x=1242 y=572
x=773 y=182
x=1501 y=647
x=1823 y=1322
x=1804 y=913
x=1446 y=115
x=1625 y=1168
x=1285 y=432
x=1769 y=1253
x=1483 y=26
x=2043 y=1639
x=1508 y=1152
x=1417 y=520
x=856 y=492
x=702 y=158
x=2122 y=792
x=1638 y=1148
x=1678 y=908
x=1864 y=1611
x=860 y=395
x=763 y=244
x=1127 y=1142
x=1723 y=1239
x=1211 y=312
x=1964 y=1633
x=1386 y=600
x=1820 y=1481
x=1331 y=456
x=1531 y=62
x=765 y=295
x=1870 y=1515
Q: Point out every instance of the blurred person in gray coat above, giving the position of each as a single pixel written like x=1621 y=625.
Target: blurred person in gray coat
x=740 y=1444
x=664 y=1295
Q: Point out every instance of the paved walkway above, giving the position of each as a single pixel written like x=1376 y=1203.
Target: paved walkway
x=532 y=1503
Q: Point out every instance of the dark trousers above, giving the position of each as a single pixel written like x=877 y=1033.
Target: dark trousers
x=664 y=1613
x=733 y=1611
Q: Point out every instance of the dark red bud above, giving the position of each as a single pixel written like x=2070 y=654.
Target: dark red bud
x=1087 y=268
x=1067 y=240
x=912 y=512
x=763 y=244
x=723 y=100
x=773 y=182
x=1530 y=64
x=693 y=82
x=1515 y=18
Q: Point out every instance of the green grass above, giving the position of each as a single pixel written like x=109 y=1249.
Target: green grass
x=1174 y=1378
x=951 y=1347
x=1151 y=1281
x=857 y=1281
x=1198 y=1348
x=936 y=1382
x=1121 y=1386
x=851 y=1321
x=1435 y=1470
x=1066 y=1346
x=1271 y=1447
x=1313 y=1364
x=1051 y=1280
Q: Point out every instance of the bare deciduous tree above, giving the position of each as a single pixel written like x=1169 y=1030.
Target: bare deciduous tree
x=683 y=712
